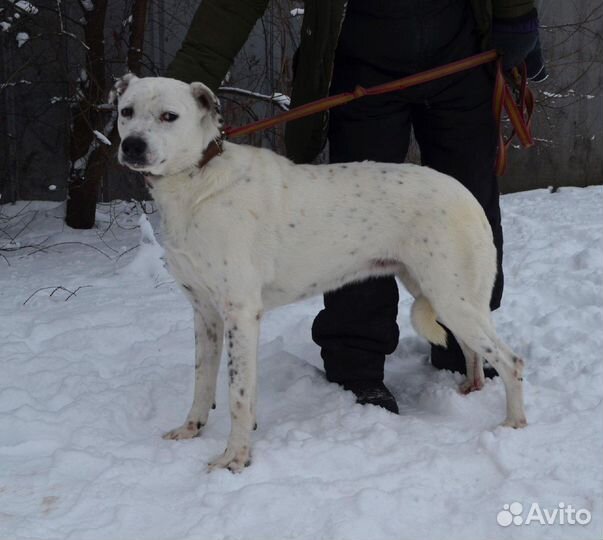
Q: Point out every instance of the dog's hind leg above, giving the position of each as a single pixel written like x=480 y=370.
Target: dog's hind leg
x=475 y=330
x=208 y=349
x=242 y=328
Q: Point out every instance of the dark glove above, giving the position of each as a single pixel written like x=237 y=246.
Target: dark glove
x=518 y=41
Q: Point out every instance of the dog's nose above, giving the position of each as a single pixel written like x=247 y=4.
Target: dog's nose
x=133 y=148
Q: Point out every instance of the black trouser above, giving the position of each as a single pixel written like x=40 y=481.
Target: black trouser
x=454 y=127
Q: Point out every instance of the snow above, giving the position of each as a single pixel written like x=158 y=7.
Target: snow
x=281 y=99
x=27 y=7
x=88 y=5
x=22 y=38
x=101 y=137
x=14 y=83
x=97 y=362
x=569 y=93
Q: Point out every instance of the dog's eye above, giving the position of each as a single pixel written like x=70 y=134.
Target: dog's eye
x=168 y=117
x=127 y=112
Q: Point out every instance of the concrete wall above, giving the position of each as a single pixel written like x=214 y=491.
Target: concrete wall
x=568 y=123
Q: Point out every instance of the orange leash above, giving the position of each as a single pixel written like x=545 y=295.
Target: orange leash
x=519 y=114
x=518 y=111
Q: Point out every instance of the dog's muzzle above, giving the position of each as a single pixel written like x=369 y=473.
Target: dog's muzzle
x=133 y=150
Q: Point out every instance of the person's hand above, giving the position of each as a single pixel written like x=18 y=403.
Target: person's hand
x=518 y=41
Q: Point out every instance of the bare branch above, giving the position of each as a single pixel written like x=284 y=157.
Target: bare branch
x=54 y=290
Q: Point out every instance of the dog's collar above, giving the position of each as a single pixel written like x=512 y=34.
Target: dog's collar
x=213 y=149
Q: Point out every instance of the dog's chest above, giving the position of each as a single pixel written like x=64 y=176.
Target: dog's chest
x=188 y=250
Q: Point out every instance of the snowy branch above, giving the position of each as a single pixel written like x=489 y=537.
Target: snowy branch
x=280 y=100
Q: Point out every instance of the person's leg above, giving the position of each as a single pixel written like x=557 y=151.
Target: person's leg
x=457 y=135
x=357 y=328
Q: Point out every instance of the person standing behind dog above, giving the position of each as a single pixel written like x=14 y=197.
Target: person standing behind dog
x=366 y=43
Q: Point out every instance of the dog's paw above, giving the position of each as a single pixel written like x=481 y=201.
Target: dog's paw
x=470 y=386
x=233 y=460
x=515 y=423
x=186 y=431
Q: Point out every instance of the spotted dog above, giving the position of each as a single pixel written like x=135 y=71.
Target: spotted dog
x=249 y=230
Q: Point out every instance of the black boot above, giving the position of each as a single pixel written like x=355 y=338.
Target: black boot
x=355 y=331
x=453 y=359
x=372 y=393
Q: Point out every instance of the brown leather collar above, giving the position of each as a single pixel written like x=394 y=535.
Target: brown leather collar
x=213 y=149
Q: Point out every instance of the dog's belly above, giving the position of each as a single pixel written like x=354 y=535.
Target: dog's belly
x=285 y=290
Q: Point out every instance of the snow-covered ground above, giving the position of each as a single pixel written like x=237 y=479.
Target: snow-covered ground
x=96 y=362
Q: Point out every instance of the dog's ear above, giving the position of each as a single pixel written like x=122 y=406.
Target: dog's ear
x=120 y=87
x=207 y=100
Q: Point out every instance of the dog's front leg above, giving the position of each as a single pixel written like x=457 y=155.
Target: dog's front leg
x=209 y=331
x=241 y=331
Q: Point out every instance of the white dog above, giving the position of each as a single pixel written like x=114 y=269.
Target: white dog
x=249 y=230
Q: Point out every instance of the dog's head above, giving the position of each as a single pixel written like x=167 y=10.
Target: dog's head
x=164 y=124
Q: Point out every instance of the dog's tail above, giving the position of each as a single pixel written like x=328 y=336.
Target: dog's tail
x=424 y=321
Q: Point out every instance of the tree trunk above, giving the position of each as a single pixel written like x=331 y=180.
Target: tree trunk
x=86 y=154
x=89 y=157
x=139 y=19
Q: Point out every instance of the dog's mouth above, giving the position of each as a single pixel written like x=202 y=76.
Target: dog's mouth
x=137 y=165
